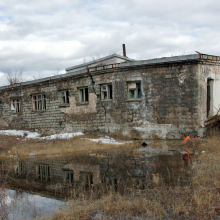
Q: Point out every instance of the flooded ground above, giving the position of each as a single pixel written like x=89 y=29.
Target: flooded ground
x=122 y=170
x=25 y=206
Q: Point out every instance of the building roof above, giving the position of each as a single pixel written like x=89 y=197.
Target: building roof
x=131 y=63
x=99 y=60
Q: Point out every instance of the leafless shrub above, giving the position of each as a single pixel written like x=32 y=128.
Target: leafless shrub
x=56 y=72
x=38 y=76
x=14 y=76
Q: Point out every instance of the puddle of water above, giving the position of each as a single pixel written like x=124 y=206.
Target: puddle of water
x=22 y=205
x=121 y=170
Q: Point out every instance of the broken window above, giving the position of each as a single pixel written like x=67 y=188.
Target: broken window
x=4 y=167
x=69 y=177
x=106 y=92
x=39 y=102
x=86 y=179
x=139 y=183
x=111 y=182
x=16 y=105
x=64 y=97
x=84 y=94
x=19 y=169
x=43 y=172
x=134 y=90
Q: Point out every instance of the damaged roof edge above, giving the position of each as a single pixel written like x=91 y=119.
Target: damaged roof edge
x=120 y=65
x=99 y=60
x=162 y=60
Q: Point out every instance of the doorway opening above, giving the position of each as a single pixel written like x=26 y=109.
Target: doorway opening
x=209 y=97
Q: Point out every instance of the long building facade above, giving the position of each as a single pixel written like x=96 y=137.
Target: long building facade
x=166 y=98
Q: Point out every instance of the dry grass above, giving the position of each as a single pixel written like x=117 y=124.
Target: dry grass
x=156 y=203
x=200 y=200
x=7 y=142
x=54 y=148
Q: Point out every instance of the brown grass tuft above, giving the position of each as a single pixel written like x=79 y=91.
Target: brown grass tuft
x=57 y=147
x=200 y=200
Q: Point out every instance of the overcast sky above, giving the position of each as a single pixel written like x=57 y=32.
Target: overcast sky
x=43 y=36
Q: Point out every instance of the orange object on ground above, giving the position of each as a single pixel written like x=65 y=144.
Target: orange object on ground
x=186 y=139
x=188 y=150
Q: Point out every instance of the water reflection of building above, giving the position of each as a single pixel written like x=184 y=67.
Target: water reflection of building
x=116 y=172
x=86 y=174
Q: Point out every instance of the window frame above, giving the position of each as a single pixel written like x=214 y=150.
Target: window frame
x=20 y=169
x=69 y=176
x=87 y=179
x=108 y=92
x=16 y=105
x=66 y=97
x=39 y=102
x=137 y=90
x=43 y=172
x=82 y=95
x=1 y=106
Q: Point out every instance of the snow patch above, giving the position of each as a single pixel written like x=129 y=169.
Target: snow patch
x=63 y=136
x=35 y=135
x=26 y=134
x=107 y=140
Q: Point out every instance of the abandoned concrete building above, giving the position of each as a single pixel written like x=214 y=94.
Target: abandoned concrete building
x=165 y=98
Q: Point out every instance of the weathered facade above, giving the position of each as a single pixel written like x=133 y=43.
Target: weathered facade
x=166 y=98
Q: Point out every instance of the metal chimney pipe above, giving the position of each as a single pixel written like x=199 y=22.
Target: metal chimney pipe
x=124 y=50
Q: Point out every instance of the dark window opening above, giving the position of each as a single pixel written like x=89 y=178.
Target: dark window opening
x=39 y=102
x=69 y=177
x=209 y=96
x=83 y=95
x=64 y=97
x=43 y=172
x=86 y=179
x=106 y=92
x=20 y=169
x=140 y=183
x=4 y=167
x=134 y=90
x=16 y=105
x=111 y=182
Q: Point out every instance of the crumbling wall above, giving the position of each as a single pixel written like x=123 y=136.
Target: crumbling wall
x=168 y=108
x=208 y=71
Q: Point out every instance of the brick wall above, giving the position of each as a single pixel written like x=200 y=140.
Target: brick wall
x=168 y=108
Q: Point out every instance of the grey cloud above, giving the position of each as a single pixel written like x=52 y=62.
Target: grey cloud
x=44 y=35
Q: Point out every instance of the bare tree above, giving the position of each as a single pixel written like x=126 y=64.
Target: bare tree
x=13 y=76
x=56 y=72
x=38 y=76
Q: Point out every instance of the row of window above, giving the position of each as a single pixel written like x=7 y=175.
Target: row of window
x=39 y=101
x=133 y=88
x=43 y=173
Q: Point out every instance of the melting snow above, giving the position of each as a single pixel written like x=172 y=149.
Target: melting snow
x=107 y=140
x=62 y=136
x=35 y=135
x=22 y=133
